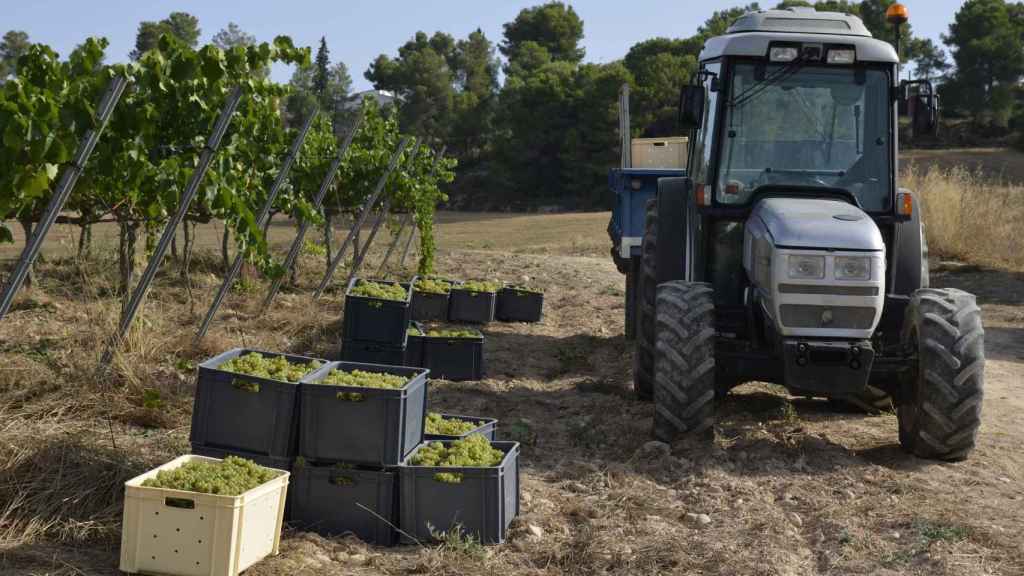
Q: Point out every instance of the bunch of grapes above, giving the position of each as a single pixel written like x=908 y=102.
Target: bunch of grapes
x=437 y=424
x=522 y=290
x=379 y=290
x=453 y=333
x=481 y=286
x=229 y=477
x=414 y=331
x=470 y=452
x=364 y=379
x=273 y=368
x=433 y=286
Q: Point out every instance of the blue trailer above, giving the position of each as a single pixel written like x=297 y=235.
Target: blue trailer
x=633 y=187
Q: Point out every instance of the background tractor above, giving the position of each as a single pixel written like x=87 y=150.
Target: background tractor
x=787 y=252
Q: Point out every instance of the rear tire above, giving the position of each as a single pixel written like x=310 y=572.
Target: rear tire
x=647 y=281
x=684 y=386
x=940 y=412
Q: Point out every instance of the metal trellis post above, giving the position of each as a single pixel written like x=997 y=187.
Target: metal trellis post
x=370 y=202
x=172 y=226
x=66 y=185
x=293 y=252
x=394 y=244
x=261 y=220
x=408 y=244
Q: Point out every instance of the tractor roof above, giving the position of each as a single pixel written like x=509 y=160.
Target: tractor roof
x=751 y=34
x=800 y=19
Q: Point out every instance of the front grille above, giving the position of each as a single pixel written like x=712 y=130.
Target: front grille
x=828 y=289
x=843 y=317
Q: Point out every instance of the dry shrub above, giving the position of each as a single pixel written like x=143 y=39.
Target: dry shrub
x=969 y=217
x=63 y=486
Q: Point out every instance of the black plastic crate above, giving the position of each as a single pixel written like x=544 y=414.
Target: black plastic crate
x=242 y=412
x=379 y=429
x=428 y=307
x=488 y=427
x=453 y=358
x=372 y=353
x=332 y=501
x=482 y=504
x=519 y=305
x=469 y=306
x=414 y=346
x=376 y=320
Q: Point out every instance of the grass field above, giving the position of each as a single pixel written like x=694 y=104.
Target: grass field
x=790 y=486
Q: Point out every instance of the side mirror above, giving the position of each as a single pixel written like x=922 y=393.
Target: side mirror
x=919 y=101
x=691 y=107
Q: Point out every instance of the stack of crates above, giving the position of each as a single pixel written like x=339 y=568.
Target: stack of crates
x=374 y=330
x=351 y=440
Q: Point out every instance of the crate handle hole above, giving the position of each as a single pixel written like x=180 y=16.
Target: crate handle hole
x=350 y=396
x=183 y=503
x=343 y=481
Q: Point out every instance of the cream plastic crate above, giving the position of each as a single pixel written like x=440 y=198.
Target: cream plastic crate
x=659 y=152
x=190 y=534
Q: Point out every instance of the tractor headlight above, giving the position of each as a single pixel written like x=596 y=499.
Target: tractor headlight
x=853 y=268
x=806 y=267
x=783 y=53
x=841 y=56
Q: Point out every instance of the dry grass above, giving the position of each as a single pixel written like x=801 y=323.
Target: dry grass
x=791 y=487
x=969 y=217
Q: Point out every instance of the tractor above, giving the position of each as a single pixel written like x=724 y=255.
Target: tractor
x=786 y=252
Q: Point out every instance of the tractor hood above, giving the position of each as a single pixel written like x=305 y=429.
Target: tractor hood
x=818 y=223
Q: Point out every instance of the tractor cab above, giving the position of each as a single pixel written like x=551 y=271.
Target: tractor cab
x=788 y=253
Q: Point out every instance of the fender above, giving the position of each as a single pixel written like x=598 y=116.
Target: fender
x=909 y=253
x=673 y=195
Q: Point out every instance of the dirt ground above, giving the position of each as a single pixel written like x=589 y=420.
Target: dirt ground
x=790 y=487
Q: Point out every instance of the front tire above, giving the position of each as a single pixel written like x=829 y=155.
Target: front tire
x=940 y=411
x=684 y=385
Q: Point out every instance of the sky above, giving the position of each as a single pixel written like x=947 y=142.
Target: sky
x=357 y=31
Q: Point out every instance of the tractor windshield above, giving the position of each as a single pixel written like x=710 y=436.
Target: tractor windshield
x=806 y=126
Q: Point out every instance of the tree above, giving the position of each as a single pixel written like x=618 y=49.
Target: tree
x=423 y=78
x=660 y=68
x=476 y=81
x=321 y=73
x=987 y=41
x=929 y=60
x=554 y=27
x=12 y=46
x=232 y=36
x=181 y=25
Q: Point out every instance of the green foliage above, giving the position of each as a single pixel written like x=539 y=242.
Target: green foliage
x=364 y=379
x=273 y=368
x=12 y=46
x=432 y=286
x=987 y=42
x=181 y=25
x=437 y=424
x=379 y=290
x=229 y=477
x=480 y=286
x=473 y=451
x=453 y=333
x=554 y=27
